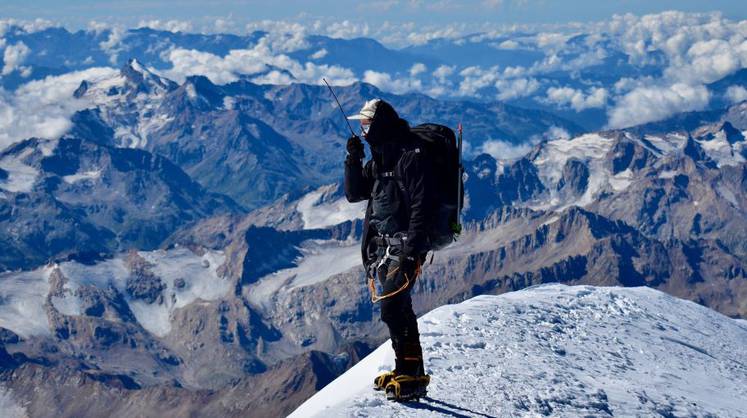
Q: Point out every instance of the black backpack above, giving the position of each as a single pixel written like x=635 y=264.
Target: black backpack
x=442 y=150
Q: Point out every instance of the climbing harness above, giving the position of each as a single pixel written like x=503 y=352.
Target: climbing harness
x=395 y=241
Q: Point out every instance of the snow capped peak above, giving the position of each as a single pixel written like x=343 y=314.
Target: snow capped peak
x=136 y=65
x=200 y=87
x=144 y=80
x=610 y=162
x=561 y=351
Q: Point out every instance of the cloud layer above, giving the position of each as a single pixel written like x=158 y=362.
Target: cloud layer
x=637 y=69
x=43 y=108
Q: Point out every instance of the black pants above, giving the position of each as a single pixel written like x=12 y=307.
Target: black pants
x=397 y=313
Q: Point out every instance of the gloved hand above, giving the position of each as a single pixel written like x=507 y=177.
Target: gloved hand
x=409 y=265
x=355 y=148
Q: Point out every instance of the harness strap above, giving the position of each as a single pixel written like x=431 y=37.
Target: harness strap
x=372 y=284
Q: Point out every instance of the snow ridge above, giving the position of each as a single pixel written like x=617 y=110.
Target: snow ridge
x=562 y=351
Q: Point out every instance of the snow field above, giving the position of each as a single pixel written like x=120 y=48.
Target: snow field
x=21 y=177
x=23 y=294
x=22 y=297
x=318 y=212
x=562 y=351
x=320 y=260
x=9 y=406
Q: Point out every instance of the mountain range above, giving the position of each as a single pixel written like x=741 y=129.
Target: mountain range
x=187 y=239
x=617 y=73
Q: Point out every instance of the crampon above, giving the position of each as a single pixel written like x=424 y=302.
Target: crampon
x=383 y=379
x=403 y=388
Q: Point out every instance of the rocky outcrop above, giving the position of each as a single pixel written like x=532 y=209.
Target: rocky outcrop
x=519 y=183
x=626 y=154
x=575 y=178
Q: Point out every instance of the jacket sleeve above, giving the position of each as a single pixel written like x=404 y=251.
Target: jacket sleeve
x=358 y=180
x=418 y=186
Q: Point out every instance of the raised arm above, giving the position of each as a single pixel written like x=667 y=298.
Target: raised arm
x=358 y=178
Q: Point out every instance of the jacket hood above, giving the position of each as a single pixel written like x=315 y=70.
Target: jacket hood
x=387 y=126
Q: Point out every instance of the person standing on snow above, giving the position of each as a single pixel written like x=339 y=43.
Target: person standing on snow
x=397 y=185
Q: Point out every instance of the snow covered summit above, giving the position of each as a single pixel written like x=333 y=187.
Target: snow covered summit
x=562 y=351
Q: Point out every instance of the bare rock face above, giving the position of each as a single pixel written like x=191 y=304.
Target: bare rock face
x=519 y=182
x=142 y=283
x=626 y=154
x=575 y=178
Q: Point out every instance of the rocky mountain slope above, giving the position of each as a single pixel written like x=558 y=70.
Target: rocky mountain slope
x=278 y=293
x=285 y=138
x=81 y=197
x=561 y=351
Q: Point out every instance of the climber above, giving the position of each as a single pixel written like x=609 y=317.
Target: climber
x=397 y=185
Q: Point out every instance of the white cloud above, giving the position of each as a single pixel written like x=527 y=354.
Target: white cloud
x=508 y=44
x=167 y=25
x=386 y=82
x=648 y=104
x=510 y=72
x=709 y=61
x=98 y=27
x=551 y=40
x=576 y=99
x=344 y=30
x=736 y=94
x=28 y=26
x=443 y=72
x=278 y=68
x=112 y=46
x=556 y=132
x=318 y=54
x=516 y=88
x=502 y=150
x=423 y=36
x=476 y=78
x=43 y=108
x=226 y=25
x=219 y=70
x=417 y=69
x=282 y=36
x=14 y=56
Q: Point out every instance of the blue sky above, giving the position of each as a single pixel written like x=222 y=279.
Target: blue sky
x=76 y=13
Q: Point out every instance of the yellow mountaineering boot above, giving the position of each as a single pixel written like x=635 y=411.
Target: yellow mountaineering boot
x=383 y=379
x=403 y=388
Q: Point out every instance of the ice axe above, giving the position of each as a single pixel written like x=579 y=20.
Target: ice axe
x=458 y=227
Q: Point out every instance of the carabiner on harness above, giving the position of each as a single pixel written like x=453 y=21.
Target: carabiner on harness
x=372 y=283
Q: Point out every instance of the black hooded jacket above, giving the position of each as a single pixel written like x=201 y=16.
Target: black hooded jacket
x=394 y=149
